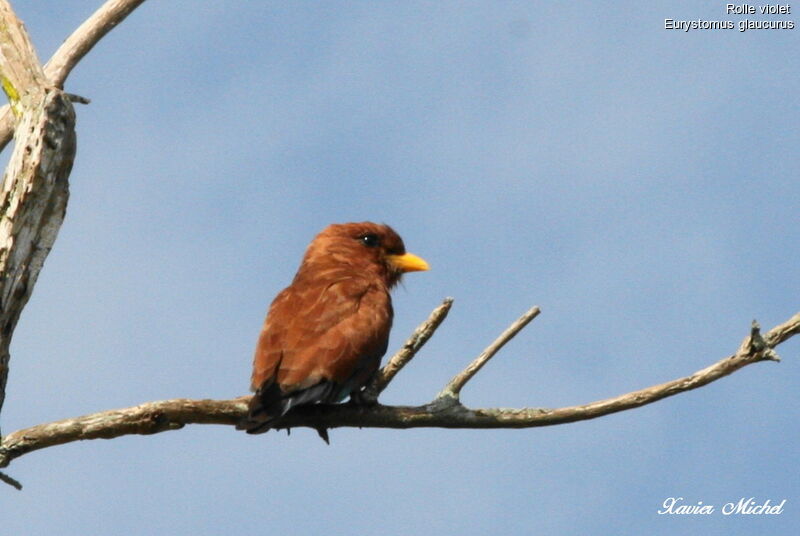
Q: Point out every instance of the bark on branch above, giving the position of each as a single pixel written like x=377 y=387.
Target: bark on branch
x=442 y=412
x=34 y=191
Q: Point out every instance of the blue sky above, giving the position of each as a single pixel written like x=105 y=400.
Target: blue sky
x=639 y=184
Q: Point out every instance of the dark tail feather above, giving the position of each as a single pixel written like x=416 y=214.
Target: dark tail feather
x=270 y=403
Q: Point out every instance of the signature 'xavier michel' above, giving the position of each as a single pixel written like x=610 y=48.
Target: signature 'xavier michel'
x=325 y=334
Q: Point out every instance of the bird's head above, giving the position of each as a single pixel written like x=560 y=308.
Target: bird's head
x=366 y=247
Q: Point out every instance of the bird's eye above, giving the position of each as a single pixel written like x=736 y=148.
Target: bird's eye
x=370 y=240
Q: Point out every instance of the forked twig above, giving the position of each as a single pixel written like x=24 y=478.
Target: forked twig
x=72 y=50
x=410 y=348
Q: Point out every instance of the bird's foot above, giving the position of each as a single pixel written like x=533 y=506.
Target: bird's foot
x=357 y=398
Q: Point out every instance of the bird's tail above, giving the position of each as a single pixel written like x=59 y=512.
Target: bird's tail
x=270 y=403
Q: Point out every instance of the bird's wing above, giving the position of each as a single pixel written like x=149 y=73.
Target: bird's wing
x=336 y=331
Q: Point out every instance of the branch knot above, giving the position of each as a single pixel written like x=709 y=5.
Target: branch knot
x=756 y=346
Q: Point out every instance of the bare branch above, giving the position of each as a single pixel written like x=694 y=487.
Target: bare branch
x=782 y=332
x=154 y=417
x=34 y=191
x=454 y=386
x=410 y=348
x=144 y=419
x=22 y=74
x=82 y=40
x=74 y=48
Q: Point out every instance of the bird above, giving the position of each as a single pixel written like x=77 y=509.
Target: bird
x=325 y=334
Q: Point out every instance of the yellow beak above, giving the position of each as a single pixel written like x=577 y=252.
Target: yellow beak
x=408 y=262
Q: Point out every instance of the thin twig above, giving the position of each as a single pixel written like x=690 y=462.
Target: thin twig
x=410 y=348
x=77 y=98
x=14 y=483
x=453 y=387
